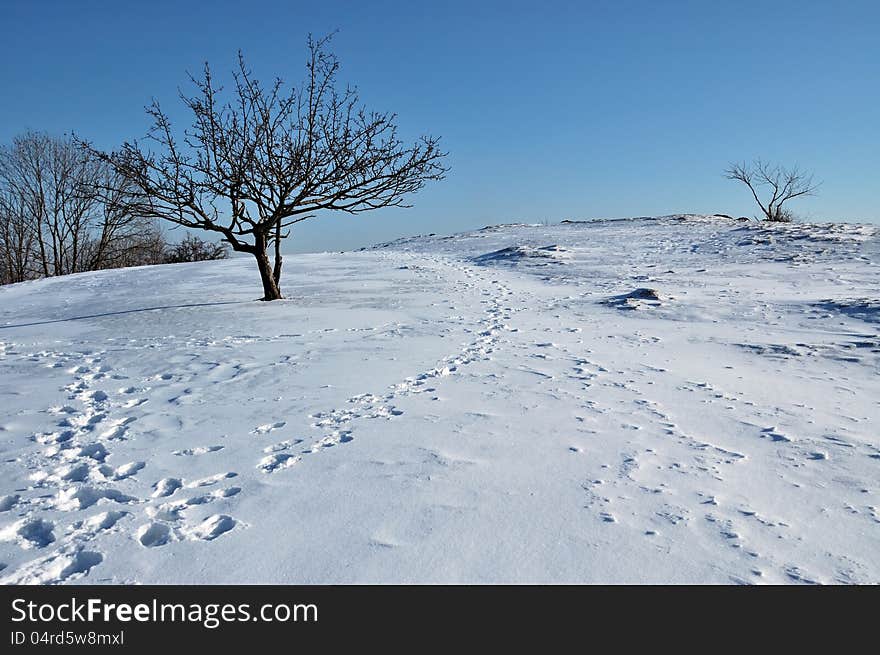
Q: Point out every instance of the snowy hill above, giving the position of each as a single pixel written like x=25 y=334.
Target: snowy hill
x=684 y=399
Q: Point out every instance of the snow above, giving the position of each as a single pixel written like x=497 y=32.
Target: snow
x=671 y=400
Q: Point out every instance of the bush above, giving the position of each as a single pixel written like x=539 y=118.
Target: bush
x=194 y=249
x=782 y=215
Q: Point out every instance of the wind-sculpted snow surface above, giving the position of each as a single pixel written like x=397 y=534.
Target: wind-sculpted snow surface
x=684 y=399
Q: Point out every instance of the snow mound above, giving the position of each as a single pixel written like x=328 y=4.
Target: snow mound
x=637 y=299
x=541 y=256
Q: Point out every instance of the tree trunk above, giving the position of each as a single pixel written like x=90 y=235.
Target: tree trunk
x=270 y=286
x=276 y=272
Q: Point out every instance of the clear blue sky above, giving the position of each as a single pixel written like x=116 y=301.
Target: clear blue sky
x=549 y=110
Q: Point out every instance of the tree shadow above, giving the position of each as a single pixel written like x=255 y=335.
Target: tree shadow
x=125 y=311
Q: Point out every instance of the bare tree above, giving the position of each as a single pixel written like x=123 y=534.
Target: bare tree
x=253 y=166
x=64 y=210
x=49 y=177
x=16 y=239
x=783 y=184
x=121 y=237
x=142 y=248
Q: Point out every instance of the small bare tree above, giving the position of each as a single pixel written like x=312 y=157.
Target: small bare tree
x=782 y=183
x=253 y=166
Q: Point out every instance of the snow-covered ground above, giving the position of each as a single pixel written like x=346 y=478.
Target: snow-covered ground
x=685 y=399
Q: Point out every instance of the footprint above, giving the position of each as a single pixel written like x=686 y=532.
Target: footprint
x=154 y=534
x=29 y=533
x=268 y=427
x=86 y=422
x=166 y=487
x=796 y=574
x=332 y=439
x=385 y=412
x=211 y=497
x=775 y=435
x=211 y=528
x=122 y=472
x=93 y=451
x=201 y=450
x=62 y=409
x=47 y=438
x=82 y=497
x=65 y=564
x=171 y=511
x=272 y=463
x=90 y=527
x=130 y=390
x=117 y=428
x=211 y=479
x=73 y=472
x=282 y=445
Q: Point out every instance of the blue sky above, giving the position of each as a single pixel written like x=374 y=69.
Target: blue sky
x=549 y=110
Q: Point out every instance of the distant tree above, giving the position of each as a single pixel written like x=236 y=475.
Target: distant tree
x=782 y=184
x=194 y=249
x=120 y=236
x=144 y=248
x=16 y=239
x=63 y=210
x=251 y=167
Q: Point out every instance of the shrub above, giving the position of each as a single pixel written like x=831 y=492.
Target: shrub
x=194 y=249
